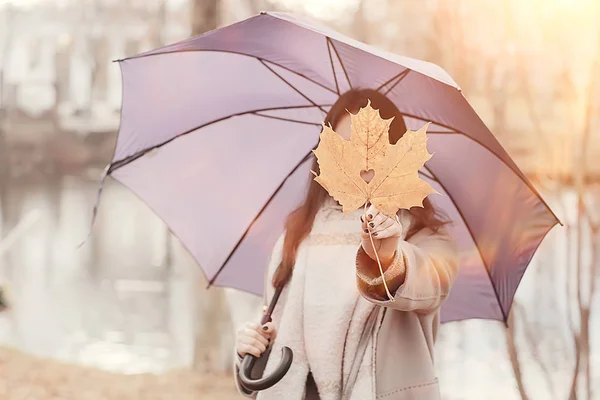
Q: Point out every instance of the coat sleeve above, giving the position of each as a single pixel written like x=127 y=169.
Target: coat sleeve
x=422 y=273
x=261 y=363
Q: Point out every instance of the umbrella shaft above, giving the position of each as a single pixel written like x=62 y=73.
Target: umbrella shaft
x=267 y=315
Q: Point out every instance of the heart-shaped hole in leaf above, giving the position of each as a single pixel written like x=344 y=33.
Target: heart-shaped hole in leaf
x=367 y=176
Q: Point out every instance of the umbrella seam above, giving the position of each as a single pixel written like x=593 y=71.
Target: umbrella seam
x=392 y=78
x=340 y=60
x=337 y=87
x=533 y=254
x=124 y=161
x=113 y=166
x=285 y=119
x=517 y=171
x=264 y=207
x=229 y=52
x=400 y=78
x=381 y=57
x=487 y=269
x=264 y=63
x=428 y=176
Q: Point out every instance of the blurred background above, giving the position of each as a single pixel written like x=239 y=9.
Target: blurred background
x=127 y=315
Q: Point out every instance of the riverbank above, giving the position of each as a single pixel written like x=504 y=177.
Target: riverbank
x=25 y=376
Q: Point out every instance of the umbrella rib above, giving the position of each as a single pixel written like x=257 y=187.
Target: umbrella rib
x=427 y=175
x=487 y=269
x=263 y=62
x=391 y=79
x=518 y=173
x=264 y=207
x=286 y=119
x=239 y=53
x=341 y=63
x=124 y=161
x=113 y=166
x=337 y=86
x=400 y=77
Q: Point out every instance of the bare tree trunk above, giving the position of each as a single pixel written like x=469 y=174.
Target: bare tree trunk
x=513 y=352
x=213 y=317
x=578 y=335
x=205 y=15
x=5 y=172
x=157 y=29
x=257 y=6
x=449 y=30
x=582 y=341
x=533 y=343
x=595 y=275
x=360 y=24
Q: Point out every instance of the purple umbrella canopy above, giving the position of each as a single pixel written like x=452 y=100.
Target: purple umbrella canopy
x=216 y=137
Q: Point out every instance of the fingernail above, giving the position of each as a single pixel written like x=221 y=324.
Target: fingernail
x=362 y=219
x=370 y=216
x=366 y=231
x=265 y=328
x=375 y=234
x=372 y=224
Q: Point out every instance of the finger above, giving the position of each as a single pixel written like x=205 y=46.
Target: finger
x=364 y=227
x=252 y=325
x=377 y=221
x=387 y=223
x=392 y=231
x=253 y=329
x=372 y=212
x=257 y=335
x=269 y=330
x=366 y=238
x=251 y=341
x=244 y=349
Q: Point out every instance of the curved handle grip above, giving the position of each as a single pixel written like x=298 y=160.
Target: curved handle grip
x=265 y=382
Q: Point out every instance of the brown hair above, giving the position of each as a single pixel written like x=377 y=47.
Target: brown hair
x=300 y=221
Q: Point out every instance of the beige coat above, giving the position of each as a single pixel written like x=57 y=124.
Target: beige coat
x=399 y=361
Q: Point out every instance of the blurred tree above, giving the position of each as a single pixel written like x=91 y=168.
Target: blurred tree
x=587 y=270
x=157 y=28
x=449 y=43
x=256 y=6
x=512 y=350
x=205 y=15
x=5 y=173
x=360 y=24
x=213 y=308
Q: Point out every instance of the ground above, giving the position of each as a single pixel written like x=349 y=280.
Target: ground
x=23 y=376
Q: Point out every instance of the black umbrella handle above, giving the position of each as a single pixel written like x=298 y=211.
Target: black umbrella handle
x=287 y=356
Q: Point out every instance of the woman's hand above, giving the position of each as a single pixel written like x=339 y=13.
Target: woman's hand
x=252 y=338
x=386 y=235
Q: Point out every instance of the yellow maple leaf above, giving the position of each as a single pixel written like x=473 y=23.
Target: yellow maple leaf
x=393 y=169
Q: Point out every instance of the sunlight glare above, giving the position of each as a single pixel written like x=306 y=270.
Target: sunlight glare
x=564 y=4
x=324 y=9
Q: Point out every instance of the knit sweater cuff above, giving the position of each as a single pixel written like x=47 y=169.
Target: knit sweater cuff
x=370 y=281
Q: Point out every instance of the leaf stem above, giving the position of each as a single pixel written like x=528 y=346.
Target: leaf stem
x=387 y=290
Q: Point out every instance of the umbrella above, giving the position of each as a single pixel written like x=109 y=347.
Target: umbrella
x=216 y=136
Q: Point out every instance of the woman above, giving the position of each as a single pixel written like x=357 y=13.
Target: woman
x=349 y=343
